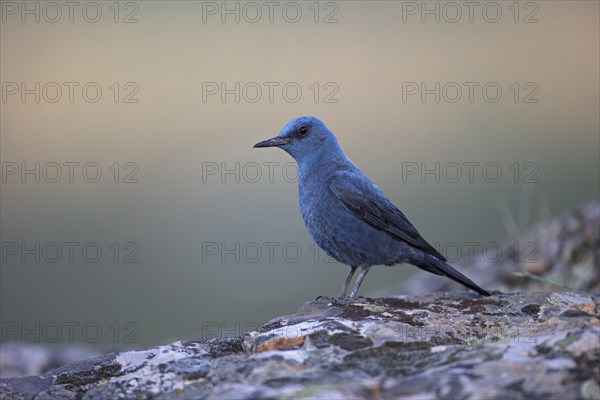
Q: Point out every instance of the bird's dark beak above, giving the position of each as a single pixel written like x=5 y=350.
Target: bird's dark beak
x=273 y=142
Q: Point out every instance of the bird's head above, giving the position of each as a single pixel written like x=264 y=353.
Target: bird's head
x=304 y=138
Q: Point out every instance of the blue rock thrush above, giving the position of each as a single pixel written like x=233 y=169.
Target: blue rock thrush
x=347 y=215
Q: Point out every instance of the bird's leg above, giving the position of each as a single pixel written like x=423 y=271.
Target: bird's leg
x=347 y=283
x=361 y=277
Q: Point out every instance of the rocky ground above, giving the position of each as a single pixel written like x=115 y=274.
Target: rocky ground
x=538 y=339
x=446 y=346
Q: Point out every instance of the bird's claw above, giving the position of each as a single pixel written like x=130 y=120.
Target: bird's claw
x=335 y=299
x=344 y=300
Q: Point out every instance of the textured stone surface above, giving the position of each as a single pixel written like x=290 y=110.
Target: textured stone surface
x=23 y=359
x=445 y=345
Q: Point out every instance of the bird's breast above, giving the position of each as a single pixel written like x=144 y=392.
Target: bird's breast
x=337 y=231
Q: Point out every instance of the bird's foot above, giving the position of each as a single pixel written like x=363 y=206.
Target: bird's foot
x=335 y=299
x=356 y=299
x=341 y=300
x=344 y=300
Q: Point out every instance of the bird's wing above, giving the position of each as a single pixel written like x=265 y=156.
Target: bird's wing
x=363 y=199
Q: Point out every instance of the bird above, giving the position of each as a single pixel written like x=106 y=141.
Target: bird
x=347 y=215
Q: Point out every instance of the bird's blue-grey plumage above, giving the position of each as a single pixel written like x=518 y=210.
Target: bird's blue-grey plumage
x=347 y=215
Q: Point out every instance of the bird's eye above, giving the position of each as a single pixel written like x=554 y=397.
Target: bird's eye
x=303 y=130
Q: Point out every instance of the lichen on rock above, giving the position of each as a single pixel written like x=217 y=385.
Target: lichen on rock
x=443 y=345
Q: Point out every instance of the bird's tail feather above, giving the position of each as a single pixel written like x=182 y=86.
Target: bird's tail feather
x=439 y=267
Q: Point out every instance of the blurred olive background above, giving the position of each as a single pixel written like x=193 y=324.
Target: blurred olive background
x=181 y=206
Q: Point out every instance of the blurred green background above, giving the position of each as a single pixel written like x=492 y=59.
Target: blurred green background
x=353 y=65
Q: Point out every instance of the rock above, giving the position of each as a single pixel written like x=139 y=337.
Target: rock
x=443 y=345
x=21 y=359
